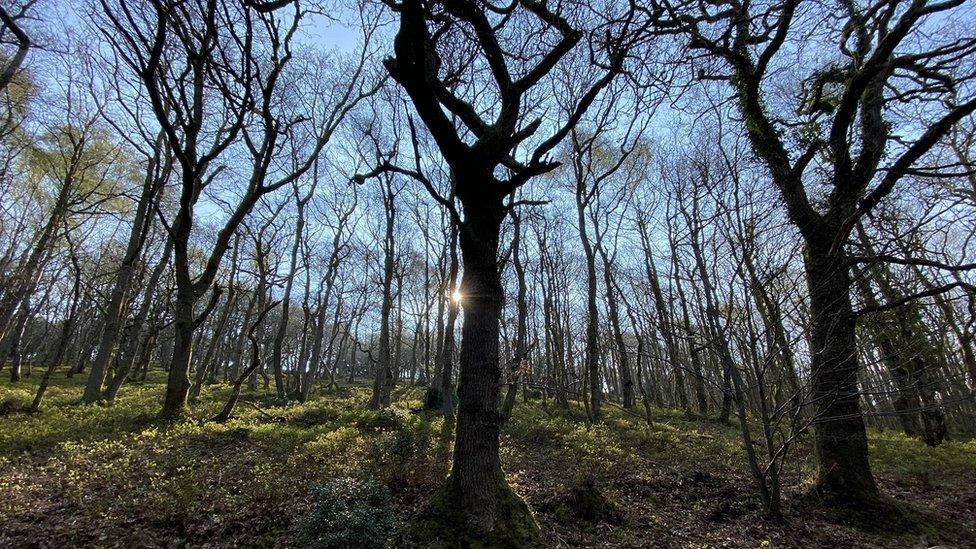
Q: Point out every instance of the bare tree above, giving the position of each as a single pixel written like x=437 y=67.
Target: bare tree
x=182 y=53
x=847 y=114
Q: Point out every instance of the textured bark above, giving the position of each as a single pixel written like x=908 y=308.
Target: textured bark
x=476 y=467
x=840 y=438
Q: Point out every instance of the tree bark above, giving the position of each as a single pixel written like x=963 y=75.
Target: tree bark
x=840 y=438
x=476 y=468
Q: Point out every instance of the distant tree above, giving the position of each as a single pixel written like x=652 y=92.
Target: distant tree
x=214 y=72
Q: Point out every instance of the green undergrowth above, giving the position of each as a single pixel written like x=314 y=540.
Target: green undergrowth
x=902 y=457
x=84 y=474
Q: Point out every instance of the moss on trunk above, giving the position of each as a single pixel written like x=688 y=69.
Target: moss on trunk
x=444 y=522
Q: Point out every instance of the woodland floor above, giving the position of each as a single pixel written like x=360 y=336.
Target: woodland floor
x=113 y=476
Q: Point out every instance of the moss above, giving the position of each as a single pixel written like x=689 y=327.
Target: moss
x=442 y=523
x=583 y=501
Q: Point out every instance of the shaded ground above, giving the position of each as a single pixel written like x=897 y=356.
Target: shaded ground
x=113 y=476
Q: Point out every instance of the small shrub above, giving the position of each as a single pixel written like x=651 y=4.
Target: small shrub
x=348 y=513
x=10 y=405
x=399 y=458
x=583 y=501
x=380 y=420
x=341 y=452
x=311 y=416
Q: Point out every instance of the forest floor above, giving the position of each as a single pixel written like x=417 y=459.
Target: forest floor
x=113 y=476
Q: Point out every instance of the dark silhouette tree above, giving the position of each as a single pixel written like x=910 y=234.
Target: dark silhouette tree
x=457 y=60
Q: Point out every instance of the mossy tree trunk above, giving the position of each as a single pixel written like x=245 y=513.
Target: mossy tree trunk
x=476 y=502
x=840 y=438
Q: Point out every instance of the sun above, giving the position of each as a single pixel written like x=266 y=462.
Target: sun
x=456 y=296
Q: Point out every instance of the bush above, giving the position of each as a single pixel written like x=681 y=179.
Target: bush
x=348 y=513
x=380 y=420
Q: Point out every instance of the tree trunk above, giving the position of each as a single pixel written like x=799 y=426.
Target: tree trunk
x=178 y=379
x=626 y=376
x=383 y=380
x=840 y=438
x=115 y=309
x=447 y=353
x=228 y=410
x=476 y=502
x=286 y=300
x=592 y=320
x=520 y=357
x=477 y=468
x=66 y=331
x=16 y=341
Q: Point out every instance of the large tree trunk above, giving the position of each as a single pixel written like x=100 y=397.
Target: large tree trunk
x=178 y=380
x=477 y=467
x=476 y=503
x=840 y=437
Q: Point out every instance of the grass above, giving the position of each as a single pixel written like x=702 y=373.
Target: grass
x=112 y=475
